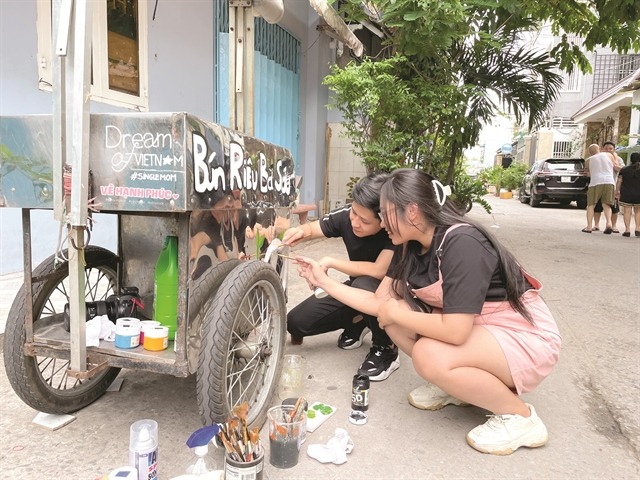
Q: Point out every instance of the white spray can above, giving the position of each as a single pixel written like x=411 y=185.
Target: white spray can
x=143 y=449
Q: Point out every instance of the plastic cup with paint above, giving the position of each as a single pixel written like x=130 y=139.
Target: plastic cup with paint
x=285 y=435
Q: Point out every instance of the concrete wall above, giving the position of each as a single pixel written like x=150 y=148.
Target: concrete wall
x=544 y=147
x=342 y=165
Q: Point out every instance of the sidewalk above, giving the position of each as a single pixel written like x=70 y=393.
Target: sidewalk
x=589 y=404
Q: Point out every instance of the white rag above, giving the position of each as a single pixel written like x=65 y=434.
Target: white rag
x=100 y=328
x=336 y=449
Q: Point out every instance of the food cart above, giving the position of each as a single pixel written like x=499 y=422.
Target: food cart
x=225 y=195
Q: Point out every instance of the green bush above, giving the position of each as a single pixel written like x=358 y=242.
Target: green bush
x=512 y=176
x=492 y=176
x=508 y=178
x=466 y=190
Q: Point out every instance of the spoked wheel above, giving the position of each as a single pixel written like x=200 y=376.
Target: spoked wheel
x=522 y=196
x=243 y=338
x=43 y=382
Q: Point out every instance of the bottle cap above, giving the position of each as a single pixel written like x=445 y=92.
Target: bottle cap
x=358 y=417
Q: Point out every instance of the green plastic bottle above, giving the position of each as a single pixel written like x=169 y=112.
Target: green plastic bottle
x=165 y=299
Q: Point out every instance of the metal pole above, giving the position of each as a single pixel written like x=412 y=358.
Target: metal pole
x=71 y=146
x=61 y=10
x=249 y=45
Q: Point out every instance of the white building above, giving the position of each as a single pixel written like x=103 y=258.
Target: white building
x=590 y=108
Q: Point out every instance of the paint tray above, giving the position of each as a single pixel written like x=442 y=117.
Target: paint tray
x=321 y=412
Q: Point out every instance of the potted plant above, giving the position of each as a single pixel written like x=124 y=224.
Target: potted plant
x=492 y=178
x=467 y=190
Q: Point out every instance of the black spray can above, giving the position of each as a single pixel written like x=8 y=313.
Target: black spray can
x=360 y=393
x=359 y=400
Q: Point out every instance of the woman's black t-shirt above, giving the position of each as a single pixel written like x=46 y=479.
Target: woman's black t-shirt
x=359 y=249
x=469 y=265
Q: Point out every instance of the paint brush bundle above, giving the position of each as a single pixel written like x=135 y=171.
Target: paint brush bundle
x=241 y=444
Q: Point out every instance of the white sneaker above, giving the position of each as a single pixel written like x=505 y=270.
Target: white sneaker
x=430 y=397
x=504 y=434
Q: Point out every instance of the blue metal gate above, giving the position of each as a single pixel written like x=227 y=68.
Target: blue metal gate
x=277 y=80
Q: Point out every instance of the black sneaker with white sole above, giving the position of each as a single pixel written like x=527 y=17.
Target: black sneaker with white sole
x=352 y=337
x=380 y=363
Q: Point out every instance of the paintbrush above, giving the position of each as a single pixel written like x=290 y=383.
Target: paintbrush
x=285 y=256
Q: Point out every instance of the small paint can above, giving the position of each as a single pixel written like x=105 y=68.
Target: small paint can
x=127 y=332
x=144 y=324
x=156 y=338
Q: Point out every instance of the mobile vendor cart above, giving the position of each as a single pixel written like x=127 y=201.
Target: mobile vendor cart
x=226 y=197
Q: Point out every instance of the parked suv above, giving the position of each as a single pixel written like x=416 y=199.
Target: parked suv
x=557 y=179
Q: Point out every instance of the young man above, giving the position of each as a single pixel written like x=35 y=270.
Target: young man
x=370 y=252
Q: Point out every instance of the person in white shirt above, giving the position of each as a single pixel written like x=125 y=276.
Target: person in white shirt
x=600 y=168
x=609 y=147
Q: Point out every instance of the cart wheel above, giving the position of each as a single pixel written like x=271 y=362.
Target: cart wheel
x=42 y=382
x=242 y=343
x=202 y=291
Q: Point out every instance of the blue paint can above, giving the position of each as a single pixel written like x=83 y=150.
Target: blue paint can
x=127 y=333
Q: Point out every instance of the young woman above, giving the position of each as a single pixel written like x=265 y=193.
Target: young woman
x=462 y=308
x=370 y=252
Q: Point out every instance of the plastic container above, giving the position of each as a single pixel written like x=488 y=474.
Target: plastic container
x=292 y=401
x=165 y=299
x=156 y=338
x=291 y=378
x=144 y=324
x=127 y=333
x=285 y=436
x=143 y=449
x=201 y=462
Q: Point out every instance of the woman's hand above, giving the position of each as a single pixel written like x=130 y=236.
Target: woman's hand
x=311 y=271
x=385 y=312
x=326 y=263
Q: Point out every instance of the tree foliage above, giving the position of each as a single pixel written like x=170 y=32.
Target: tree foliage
x=448 y=67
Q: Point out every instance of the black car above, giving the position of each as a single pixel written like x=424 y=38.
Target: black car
x=556 y=179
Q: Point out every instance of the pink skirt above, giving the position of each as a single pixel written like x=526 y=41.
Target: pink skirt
x=531 y=350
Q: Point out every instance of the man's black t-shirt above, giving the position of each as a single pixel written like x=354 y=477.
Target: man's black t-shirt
x=469 y=266
x=359 y=249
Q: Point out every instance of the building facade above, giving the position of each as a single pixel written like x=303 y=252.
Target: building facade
x=591 y=108
x=173 y=56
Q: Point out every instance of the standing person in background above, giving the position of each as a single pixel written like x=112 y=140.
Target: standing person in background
x=628 y=193
x=609 y=147
x=600 y=168
x=459 y=304
x=370 y=252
